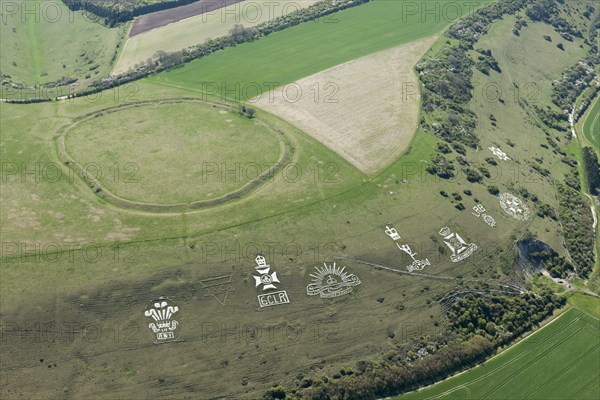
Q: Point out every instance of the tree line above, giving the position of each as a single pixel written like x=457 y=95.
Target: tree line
x=576 y=221
x=113 y=12
x=592 y=170
x=163 y=61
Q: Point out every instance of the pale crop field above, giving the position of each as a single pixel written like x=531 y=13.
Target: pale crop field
x=196 y=30
x=365 y=110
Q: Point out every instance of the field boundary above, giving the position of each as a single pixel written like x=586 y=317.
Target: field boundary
x=561 y=313
x=286 y=154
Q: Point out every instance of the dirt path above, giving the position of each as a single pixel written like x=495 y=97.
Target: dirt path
x=595 y=224
x=572 y=121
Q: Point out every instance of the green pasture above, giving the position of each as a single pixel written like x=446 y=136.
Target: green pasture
x=174 y=153
x=249 y=69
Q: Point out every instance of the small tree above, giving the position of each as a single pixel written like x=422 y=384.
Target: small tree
x=240 y=33
x=493 y=190
x=277 y=392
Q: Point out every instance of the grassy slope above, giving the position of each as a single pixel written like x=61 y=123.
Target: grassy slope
x=171 y=257
x=527 y=60
x=307 y=48
x=195 y=30
x=528 y=63
x=301 y=224
x=40 y=47
x=557 y=362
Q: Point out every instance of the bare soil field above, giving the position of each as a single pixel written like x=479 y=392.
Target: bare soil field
x=365 y=110
x=165 y=17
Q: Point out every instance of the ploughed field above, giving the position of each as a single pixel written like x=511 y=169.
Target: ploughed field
x=157 y=19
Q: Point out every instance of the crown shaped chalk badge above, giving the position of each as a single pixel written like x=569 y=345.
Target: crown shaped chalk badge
x=267 y=280
x=331 y=281
x=165 y=328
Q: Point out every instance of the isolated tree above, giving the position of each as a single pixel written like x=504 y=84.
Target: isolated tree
x=239 y=32
x=493 y=190
x=160 y=55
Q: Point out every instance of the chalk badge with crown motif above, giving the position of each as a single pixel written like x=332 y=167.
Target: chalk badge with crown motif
x=267 y=280
x=163 y=326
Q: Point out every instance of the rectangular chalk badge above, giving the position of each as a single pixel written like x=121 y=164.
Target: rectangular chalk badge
x=273 y=299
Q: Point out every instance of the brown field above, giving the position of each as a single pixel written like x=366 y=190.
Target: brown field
x=199 y=28
x=365 y=110
x=165 y=17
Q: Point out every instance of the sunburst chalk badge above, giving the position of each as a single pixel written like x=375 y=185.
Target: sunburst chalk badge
x=331 y=281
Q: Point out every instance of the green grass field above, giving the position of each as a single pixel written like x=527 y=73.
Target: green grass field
x=308 y=179
x=174 y=153
x=44 y=42
x=283 y=57
x=586 y=303
x=560 y=361
x=591 y=125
